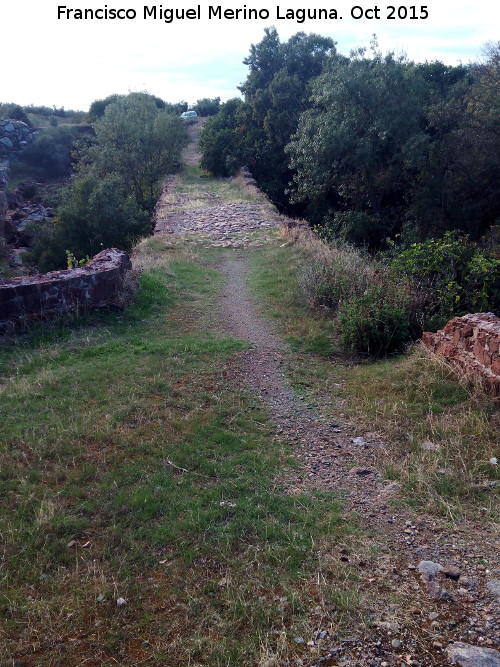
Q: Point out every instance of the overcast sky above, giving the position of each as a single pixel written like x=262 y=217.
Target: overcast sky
x=70 y=63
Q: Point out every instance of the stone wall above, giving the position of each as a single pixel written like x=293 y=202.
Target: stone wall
x=472 y=344
x=4 y=179
x=97 y=285
x=14 y=136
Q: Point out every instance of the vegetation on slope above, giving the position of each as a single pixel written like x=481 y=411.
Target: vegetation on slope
x=442 y=431
x=393 y=163
x=110 y=199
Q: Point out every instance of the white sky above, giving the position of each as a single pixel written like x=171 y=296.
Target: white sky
x=70 y=63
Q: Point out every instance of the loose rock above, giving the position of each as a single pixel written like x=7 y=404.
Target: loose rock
x=467 y=655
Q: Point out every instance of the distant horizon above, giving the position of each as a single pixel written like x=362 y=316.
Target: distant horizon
x=70 y=63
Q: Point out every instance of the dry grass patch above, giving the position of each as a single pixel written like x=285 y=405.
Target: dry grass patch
x=444 y=432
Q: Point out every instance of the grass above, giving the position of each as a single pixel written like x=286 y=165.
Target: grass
x=444 y=432
x=412 y=400
x=196 y=189
x=132 y=468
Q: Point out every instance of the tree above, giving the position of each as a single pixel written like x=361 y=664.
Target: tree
x=207 y=106
x=98 y=107
x=457 y=183
x=220 y=141
x=138 y=141
x=277 y=91
x=355 y=145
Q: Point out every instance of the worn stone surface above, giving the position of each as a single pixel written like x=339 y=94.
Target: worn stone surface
x=213 y=222
x=467 y=655
x=40 y=297
x=472 y=344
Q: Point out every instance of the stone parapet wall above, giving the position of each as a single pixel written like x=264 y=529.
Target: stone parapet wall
x=97 y=285
x=472 y=344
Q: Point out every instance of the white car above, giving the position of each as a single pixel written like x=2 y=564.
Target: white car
x=189 y=114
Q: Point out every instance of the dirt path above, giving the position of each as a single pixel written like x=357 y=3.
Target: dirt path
x=433 y=582
x=435 y=608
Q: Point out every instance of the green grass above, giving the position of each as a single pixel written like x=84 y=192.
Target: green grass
x=195 y=185
x=132 y=468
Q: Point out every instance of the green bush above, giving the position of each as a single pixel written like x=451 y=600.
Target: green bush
x=51 y=150
x=207 y=106
x=220 y=140
x=97 y=213
x=377 y=322
x=14 y=112
x=454 y=276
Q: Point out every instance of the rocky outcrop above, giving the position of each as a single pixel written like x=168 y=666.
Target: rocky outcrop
x=472 y=344
x=4 y=179
x=17 y=226
x=14 y=136
x=97 y=285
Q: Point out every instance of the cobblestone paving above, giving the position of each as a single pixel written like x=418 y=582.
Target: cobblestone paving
x=213 y=222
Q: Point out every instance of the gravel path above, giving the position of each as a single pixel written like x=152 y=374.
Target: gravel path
x=454 y=602
x=426 y=615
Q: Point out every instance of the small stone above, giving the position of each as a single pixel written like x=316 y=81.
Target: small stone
x=467 y=582
x=298 y=640
x=360 y=470
x=430 y=568
x=437 y=645
x=429 y=446
x=494 y=587
x=100 y=598
x=359 y=441
x=396 y=643
x=121 y=602
x=391 y=488
x=451 y=572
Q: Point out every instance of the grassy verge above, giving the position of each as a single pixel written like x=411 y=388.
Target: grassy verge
x=443 y=435
x=197 y=190
x=131 y=468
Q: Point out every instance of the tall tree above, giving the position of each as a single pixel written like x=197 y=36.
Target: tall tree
x=354 y=145
x=140 y=142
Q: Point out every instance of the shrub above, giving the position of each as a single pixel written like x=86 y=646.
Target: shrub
x=378 y=322
x=97 y=213
x=51 y=150
x=14 y=112
x=454 y=275
x=207 y=106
